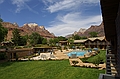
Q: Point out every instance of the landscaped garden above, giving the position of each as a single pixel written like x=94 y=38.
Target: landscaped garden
x=49 y=69
x=99 y=58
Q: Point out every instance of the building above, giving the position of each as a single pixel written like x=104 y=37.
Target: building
x=111 y=19
x=96 y=42
x=62 y=43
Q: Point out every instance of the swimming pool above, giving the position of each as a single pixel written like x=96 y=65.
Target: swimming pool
x=78 y=53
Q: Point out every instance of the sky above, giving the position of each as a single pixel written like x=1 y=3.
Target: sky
x=61 y=17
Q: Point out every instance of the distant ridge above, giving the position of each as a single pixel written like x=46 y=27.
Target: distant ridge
x=27 y=28
x=85 y=32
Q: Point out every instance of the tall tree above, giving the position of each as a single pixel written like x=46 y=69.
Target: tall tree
x=83 y=37
x=16 y=37
x=61 y=38
x=56 y=40
x=76 y=37
x=51 y=41
x=23 y=40
x=35 y=38
x=44 y=41
x=71 y=41
x=3 y=31
x=93 y=34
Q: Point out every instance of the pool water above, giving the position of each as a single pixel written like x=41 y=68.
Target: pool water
x=78 y=53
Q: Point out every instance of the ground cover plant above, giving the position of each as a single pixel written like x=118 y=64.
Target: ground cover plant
x=100 y=57
x=59 y=69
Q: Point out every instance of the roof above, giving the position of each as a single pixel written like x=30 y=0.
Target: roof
x=109 y=13
x=79 y=41
x=62 y=41
x=99 y=38
x=92 y=39
x=41 y=47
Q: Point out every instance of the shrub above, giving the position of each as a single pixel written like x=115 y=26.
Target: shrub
x=100 y=57
x=3 y=56
x=97 y=60
x=75 y=62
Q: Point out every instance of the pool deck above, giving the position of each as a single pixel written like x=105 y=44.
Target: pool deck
x=58 y=55
x=62 y=55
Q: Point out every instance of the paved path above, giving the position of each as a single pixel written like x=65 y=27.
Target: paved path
x=61 y=55
x=91 y=65
x=75 y=59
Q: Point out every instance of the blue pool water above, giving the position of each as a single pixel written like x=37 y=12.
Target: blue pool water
x=78 y=53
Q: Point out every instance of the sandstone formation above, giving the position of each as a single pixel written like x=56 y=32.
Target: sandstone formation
x=85 y=32
x=27 y=28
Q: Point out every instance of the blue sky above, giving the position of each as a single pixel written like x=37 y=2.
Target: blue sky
x=61 y=17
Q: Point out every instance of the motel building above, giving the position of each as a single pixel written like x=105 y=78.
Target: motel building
x=96 y=42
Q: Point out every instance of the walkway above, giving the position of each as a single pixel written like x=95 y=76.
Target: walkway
x=42 y=56
x=80 y=63
x=90 y=65
x=61 y=55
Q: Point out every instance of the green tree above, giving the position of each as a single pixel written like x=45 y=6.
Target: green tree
x=93 y=34
x=3 y=31
x=35 y=38
x=71 y=43
x=16 y=37
x=83 y=37
x=26 y=37
x=61 y=38
x=76 y=37
x=23 y=40
x=51 y=42
x=44 y=41
x=56 y=40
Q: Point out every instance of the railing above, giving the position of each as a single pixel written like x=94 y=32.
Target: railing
x=110 y=61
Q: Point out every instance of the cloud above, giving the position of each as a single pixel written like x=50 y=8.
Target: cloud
x=67 y=24
x=21 y=4
x=53 y=6
x=1 y=1
x=73 y=17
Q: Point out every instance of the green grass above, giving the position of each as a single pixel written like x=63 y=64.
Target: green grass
x=46 y=70
x=101 y=55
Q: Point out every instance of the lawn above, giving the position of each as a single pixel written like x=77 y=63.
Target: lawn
x=59 y=69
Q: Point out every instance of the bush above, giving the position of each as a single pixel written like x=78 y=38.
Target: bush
x=97 y=58
x=75 y=62
x=3 y=56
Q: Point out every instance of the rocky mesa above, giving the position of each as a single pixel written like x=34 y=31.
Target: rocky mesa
x=27 y=28
x=85 y=32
